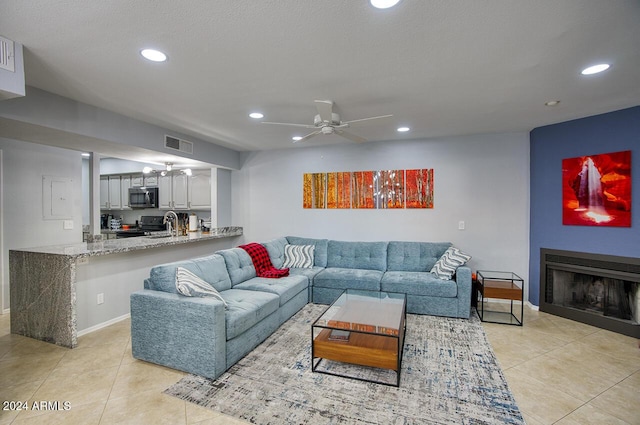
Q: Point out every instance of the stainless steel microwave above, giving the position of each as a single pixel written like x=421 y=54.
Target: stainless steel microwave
x=143 y=197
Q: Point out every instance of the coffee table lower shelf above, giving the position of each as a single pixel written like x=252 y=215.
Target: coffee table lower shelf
x=362 y=349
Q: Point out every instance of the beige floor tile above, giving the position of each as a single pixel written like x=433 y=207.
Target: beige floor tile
x=617 y=345
x=78 y=389
x=589 y=415
x=140 y=376
x=536 y=399
x=23 y=346
x=20 y=394
x=149 y=407
x=118 y=332
x=622 y=401
x=567 y=376
x=28 y=368
x=87 y=359
x=223 y=420
x=198 y=414
x=596 y=362
x=88 y=414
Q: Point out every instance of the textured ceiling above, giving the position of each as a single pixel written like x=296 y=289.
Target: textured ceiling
x=441 y=67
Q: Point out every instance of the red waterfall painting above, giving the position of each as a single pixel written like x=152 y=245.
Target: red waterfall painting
x=596 y=190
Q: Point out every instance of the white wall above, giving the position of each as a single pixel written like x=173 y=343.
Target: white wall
x=23 y=225
x=481 y=179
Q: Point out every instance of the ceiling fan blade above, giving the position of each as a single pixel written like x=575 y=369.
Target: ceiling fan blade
x=289 y=124
x=308 y=136
x=365 y=120
x=325 y=109
x=350 y=136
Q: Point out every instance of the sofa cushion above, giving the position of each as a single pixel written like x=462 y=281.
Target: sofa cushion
x=299 y=256
x=275 y=248
x=212 y=269
x=341 y=278
x=418 y=283
x=446 y=266
x=246 y=308
x=357 y=255
x=239 y=265
x=320 y=253
x=414 y=256
x=285 y=287
x=308 y=273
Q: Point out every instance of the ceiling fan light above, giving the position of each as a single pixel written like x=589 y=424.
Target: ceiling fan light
x=595 y=69
x=383 y=4
x=153 y=55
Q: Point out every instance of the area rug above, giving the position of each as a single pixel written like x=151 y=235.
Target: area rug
x=450 y=375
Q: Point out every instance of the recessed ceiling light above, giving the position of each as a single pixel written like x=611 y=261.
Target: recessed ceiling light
x=85 y=154
x=153 y=55
x=256 y=115
x=595 y=69
x=403 y=129
x=296 y=138
x=383 y=4
x=552 y=103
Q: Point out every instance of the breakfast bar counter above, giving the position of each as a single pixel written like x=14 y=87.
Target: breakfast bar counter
x=60 y=291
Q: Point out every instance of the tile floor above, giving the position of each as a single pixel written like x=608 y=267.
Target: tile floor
x=560 y=371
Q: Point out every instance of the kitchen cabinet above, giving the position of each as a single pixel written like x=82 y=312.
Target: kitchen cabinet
x=182 y=192
x=137 y=180
x=173 y=192
x=110 y=193
x=199 y=190
x=125 y=185
x=151 y=181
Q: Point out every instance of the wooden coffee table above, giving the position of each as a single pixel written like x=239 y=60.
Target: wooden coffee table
x=363 y=328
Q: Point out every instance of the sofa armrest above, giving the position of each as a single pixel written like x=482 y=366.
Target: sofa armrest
x=463 y=280
x=179 y=332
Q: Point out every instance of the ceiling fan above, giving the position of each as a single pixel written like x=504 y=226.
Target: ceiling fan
x=328 y=122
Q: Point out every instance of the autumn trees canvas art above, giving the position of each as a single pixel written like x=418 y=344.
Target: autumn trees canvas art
x=383 y=189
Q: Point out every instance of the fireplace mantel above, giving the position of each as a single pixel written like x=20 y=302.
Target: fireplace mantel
x=596 y=289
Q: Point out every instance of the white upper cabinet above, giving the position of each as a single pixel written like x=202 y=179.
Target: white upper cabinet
x=200 y=190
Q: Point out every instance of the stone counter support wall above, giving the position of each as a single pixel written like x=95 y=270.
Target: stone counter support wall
x=43 y=297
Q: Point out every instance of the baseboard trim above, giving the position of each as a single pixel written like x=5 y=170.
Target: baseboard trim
x=104 y=324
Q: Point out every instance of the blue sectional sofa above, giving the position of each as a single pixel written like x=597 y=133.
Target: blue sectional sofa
x=205 y=337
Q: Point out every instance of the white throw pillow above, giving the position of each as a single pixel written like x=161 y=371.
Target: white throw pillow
x=446 y=266
x=298 y=256
x=190 y=285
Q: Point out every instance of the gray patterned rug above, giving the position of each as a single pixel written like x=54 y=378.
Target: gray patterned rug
x=450 y=375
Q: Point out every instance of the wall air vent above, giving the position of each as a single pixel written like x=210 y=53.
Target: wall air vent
x=178 y=144
x=7 y=55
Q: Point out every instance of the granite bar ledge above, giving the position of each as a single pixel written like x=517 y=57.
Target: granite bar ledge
x=43 y=281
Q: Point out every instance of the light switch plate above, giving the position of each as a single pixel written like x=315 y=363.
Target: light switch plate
x=461 y=225
x=68 y=225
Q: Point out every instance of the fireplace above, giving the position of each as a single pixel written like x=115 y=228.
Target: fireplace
x=596 y=289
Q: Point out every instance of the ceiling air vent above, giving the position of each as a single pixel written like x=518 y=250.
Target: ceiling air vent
x=178 y=144
x=7 y=55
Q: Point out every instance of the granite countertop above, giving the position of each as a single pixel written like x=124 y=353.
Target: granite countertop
x=115 y=246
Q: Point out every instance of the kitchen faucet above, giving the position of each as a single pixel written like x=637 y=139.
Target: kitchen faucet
x=166 y=221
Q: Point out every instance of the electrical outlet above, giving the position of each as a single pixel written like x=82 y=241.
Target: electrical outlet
x=461 y=225
x=82 y=261
x=100 y=298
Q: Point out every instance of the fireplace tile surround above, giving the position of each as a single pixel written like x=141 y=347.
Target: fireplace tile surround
x=596 y=289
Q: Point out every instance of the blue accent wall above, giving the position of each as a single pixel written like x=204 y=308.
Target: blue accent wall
x=611 y=132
